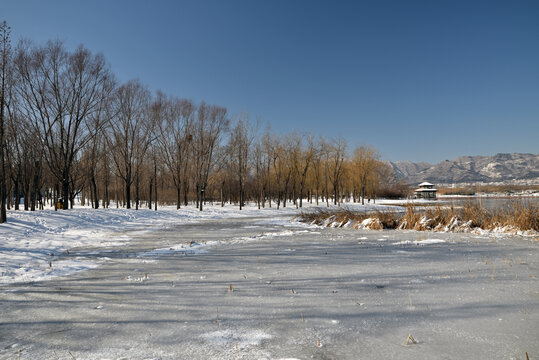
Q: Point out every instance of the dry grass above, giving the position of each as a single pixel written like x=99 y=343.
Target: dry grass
x=516 y=217
x=521 y=216
x=321 y=215
x=466 y=191
x=389 y=219
x=410 y=219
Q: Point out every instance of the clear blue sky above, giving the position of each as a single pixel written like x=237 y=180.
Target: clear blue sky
x=418 y=80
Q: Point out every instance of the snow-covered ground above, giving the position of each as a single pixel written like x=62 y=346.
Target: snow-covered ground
x=30 y=241
x=258 y=286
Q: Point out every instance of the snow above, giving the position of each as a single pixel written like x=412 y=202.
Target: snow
x=420 y=242
x=299 y=292
x=30 y=242
x=241 y=338
x=191 y=249
x=269 y=235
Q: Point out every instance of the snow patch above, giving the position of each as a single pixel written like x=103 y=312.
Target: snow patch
x=369 y=223
x=191 y=249
x=270 y=235
x=243 y=338
x=420 y=242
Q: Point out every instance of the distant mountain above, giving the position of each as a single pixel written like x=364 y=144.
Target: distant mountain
x=470 y=169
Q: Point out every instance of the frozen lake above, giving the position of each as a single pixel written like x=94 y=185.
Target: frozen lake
x=262 y=288
x=492 y=203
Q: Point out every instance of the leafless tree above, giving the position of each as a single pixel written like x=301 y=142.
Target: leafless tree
x=366 y=160
x=174 y=119
x=5 y=72
x=66 y=129
x=240 y=141
x=317 y=168
x=304 y=161
x=211 y=123
x=94 y=151
x=128 y=134
x=336 y=155
x=60 y=92
x=269 y=157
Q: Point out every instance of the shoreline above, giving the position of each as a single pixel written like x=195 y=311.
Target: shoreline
x=469 y=218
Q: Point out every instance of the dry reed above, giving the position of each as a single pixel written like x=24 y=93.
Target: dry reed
x=513 y=218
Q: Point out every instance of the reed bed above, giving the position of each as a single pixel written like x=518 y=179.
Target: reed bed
x=516 y=218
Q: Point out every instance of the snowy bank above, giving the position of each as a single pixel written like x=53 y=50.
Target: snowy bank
x=30 y=242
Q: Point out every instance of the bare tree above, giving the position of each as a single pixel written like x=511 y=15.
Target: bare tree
x=128 y=135
x=259 y=159
x=60 y=92
x=5 y=55
x=174 y=121
x=94 y=150
x=304 y=162
x=317 y=167
x=17 y=134
x=211 y=123
x=240 y=141
x=366 y=160
x=269 y=157
x=336 y=157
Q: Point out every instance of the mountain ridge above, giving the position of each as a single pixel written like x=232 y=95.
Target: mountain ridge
x=502 y=167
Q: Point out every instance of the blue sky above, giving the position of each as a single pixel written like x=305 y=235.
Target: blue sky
x=418 y=80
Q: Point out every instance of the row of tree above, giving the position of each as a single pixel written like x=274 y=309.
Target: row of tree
x=68 y=130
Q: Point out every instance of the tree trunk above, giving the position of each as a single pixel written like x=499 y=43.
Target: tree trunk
x=178 y=197
x=94 y=192
x=137 y=188
x=106 y=197
x=185 y=190
x=26 y=193
x=65 y=191
x=150 y=195
x=155 y=189
x=202 y=190
x=35 y=187
x=3 y=195
x=55 y=196
x=241 y=194
x=362 y=195
x=128 y=195
x=32 y=200
x=17 y=194
x=222 y=197
x=197 y=196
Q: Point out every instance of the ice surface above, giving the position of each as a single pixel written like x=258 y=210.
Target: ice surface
x=304 y=294
x=420 y=242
